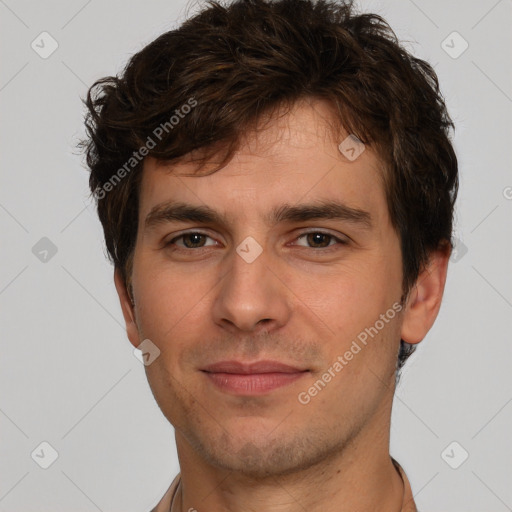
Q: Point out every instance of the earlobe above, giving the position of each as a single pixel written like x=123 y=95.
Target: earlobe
x=128 y=309
x=424 y=300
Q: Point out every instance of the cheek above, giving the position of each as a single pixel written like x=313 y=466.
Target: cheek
x=168 y=301
x=348 y=302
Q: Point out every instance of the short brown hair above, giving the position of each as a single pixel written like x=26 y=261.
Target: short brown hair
x=240 y=61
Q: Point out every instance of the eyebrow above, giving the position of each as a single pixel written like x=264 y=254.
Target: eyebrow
x=172 y=211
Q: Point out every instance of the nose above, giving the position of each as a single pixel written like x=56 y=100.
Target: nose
x=252 y=297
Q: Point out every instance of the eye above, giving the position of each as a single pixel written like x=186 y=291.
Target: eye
x=197 y=240
x=191 y=240
x=320 y=240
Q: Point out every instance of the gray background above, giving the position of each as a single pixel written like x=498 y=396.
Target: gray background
x=68 y=375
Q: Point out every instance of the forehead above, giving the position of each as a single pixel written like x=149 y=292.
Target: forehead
x=292 y=158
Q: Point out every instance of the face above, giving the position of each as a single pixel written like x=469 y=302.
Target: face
x=262 y=278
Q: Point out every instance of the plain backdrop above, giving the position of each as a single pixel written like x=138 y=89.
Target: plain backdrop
x=68 y=375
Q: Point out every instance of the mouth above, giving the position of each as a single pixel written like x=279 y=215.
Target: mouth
x=261 y=377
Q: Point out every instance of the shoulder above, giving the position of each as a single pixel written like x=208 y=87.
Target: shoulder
x=164 y=505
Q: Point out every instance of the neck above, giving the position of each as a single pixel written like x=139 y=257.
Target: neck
x=360 y=476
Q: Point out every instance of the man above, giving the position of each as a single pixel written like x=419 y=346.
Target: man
x=276 y=186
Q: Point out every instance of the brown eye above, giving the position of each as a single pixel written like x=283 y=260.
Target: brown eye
x=320 y=240
x=191 y=240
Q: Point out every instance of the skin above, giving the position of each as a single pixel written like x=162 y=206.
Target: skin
x=302 y=301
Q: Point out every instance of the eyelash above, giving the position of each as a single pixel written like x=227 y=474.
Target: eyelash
x=333 y=237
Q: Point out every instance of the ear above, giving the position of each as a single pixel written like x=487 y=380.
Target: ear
x=128 y=309
x=425 y=297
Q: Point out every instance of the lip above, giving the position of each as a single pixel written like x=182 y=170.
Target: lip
x=261 y=377
x=241 y=368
